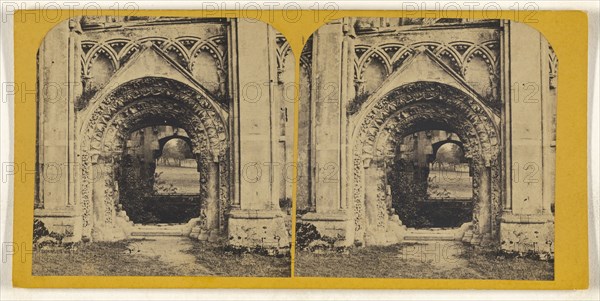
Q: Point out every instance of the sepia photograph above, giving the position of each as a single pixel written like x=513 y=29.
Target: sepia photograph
x=426 y=149
x=241 y=150
x=163 y=148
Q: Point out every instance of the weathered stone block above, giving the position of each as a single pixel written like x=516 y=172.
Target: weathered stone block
x=66 y=222
x=335 y=224
x=527 y=233
x=258 y=228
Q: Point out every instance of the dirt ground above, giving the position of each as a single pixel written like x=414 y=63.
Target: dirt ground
x=156 y=256
x=429 y=260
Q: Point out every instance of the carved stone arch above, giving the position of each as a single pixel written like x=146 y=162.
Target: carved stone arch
x=118 y=44
x=364 y=62
x=158 y=41
x=306 y=64
x=359 y=51
x=392 y=48
x=430 y=45
x=410 y=108
x=99 y=49
x=136 y=45
x=375 y=115
x=145 y=113
x=374 y=53
x=189 y=42
x=440 y=50
x=163 y=141
x=104 y=110
x=456 y=61
x=130 y=106
x=426 y=116
x=484 y=53
x=437 y=145
x=283 y=48
x=493 y=47
x=401 y=55
x=179 y=50
x=203 y=71
x=128 y=50
x=86 y=46
x=461 y=46
x=210 y=46
x=481 y=64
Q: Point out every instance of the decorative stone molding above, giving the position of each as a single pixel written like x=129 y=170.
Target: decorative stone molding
x=137 y=104
x=458 y=52
x=182 y=49
x=283 y=50
x=306 y=56
x=456 y=55
x=553 y=62
x=407 y=109
x=224 y=191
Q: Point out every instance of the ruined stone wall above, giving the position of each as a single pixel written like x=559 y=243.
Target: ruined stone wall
x=198 y=47
x=506 y=69
x=471 y=51
x=376 y=48
x=123 y=74
x=530 y=126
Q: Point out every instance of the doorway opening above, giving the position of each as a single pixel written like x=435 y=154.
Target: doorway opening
x=160 y=180
x=431 y=181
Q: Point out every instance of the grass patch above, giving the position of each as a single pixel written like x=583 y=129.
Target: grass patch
x=97 y=259
x=388 y=262
x=494 y=265
x=121 y=259
x=223 y=261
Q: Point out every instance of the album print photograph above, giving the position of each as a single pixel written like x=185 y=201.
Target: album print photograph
x=154 y=158
x=426 y=150
x=348 y=150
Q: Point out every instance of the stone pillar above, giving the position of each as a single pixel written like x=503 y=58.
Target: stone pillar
x=525 y=226
x=303 y=186
x=98 y=212
x=212 y=200
x=372 y=176
x=58 y=87
x=285 y=96
x=234 y=112
x=374 y=202
x=103 y=202
x=526 y=119
x=202 y=229
x=258 y=221
x=484 y=206
x=327 y=66
x=549 y=126
x=332 y=87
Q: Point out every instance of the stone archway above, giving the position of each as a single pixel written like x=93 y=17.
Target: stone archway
x=140 y=103
x=163 y=141
x=410 y=108
x=435 y=147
